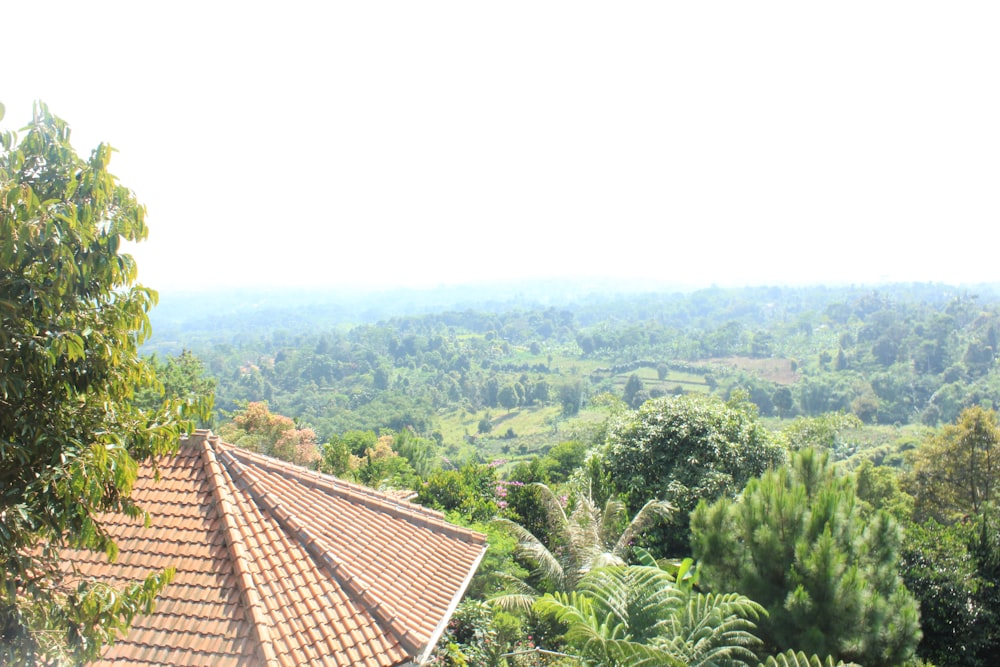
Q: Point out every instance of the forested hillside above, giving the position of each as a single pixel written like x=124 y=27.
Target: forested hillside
x=896 y=354
x=785 y=475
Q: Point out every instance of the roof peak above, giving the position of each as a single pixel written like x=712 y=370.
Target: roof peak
x=379 y=500
x=277 y=564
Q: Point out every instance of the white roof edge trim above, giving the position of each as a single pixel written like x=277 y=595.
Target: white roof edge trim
x=439 y=630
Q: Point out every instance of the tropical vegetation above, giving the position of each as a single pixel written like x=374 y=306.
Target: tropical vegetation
x=72 y=320
x=821 y=462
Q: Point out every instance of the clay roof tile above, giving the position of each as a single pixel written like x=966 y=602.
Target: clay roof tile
x=276 y=565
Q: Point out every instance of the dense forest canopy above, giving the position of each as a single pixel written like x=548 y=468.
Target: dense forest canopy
x=546 y=420
x=893 y=354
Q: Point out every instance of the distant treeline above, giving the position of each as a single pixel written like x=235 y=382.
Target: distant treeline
x=892 y=354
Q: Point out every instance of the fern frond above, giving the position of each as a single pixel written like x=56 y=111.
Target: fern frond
x=791 y=658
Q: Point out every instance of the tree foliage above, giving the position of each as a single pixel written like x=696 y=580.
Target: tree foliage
x=576 y=541
x=258 y=429
x=957 y=471
x=684 y=449
x=953 y=572
x=72 y=318
x=822 y=431
x=635 y=615
x=178 y=377
x=382 y=467
x=792 y=658
x=470 y=490
x=798 y=542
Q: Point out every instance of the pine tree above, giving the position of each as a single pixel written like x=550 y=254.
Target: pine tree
x=797 y=542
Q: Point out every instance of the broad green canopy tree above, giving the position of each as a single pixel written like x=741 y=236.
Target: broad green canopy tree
x=954 y=571
x=684 y=449
x=798 y=541
x=957 y=471
x=72 y=318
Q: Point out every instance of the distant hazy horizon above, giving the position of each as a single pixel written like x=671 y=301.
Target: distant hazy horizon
x=390 y=144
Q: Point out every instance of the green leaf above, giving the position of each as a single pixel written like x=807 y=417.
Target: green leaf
x=73 y=319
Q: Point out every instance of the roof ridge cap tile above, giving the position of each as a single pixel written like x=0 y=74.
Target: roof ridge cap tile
x=353 y=583
x=249 y=594
x=412 y=512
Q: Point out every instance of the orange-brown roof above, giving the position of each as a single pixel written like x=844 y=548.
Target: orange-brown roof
x=278 y=565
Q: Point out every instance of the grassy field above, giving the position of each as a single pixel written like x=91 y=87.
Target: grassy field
x=688 y=382
x=781 y=371
x=527 y=431
x=534 y=429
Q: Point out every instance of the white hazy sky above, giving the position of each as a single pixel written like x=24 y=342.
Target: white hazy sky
x=422 y=143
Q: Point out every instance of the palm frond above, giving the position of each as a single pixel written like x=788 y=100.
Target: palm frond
x=545 y=563
x=613 y=516
x=513 y=602
x=517 y=594
x=601 y=639
x=634 y=654
x=607 y=559
x=584 y=535
x=637 y=615
x=555 y=514
x=643 y=557
x=651 y=512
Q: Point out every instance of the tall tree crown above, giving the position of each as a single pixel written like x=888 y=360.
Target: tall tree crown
x=72 y=318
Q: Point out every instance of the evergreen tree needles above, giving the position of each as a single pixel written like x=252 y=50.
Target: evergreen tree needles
x=798 y=542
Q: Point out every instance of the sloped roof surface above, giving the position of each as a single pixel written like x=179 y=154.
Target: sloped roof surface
x=278 y=565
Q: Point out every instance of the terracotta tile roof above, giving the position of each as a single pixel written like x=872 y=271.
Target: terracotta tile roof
x=278 y=565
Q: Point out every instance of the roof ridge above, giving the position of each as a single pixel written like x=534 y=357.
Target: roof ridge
x=237 y=552
x=412 y=512
x=319 y=550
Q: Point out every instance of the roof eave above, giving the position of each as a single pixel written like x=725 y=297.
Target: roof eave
x=424 y=656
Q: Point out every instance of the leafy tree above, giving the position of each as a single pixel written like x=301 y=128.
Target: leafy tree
x=72 y=318
x=335 y=458
x=564 y=458
x=948 y=569
x=419 y=452
x=381 y=467
x=571 y=397
x=180 y=377
x=819 y=432
x=485 y=424
x=684 y=449
x=633 y=388
x=508 y=397
x=630 y=616
x=469 y=491
x=957 y=471
x=335 y=455
x=541 y=392
x=480 y=635
x=880 y=487
x=783 y=401
x=381 y=378
x=798 y=542
x=357 y=442
x=258 y=429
